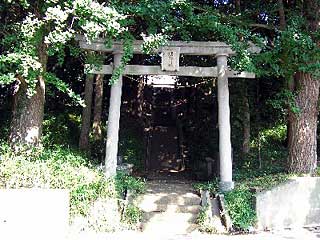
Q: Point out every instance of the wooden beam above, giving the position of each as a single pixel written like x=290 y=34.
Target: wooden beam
x=183 y=71
x=187 y=48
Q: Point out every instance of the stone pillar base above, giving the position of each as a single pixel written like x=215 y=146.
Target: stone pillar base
x=226 y=186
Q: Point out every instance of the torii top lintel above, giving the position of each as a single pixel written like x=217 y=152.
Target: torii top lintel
x=187 y=48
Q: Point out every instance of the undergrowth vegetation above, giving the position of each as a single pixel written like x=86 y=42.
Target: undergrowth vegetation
x=132 y=215
x=63 y=168
x=125 y=182
x=131 y=147
x=55 y=167
x=240 y=201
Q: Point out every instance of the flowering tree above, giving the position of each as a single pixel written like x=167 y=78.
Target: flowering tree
x=33 y=31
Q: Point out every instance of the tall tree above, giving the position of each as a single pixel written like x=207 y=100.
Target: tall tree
x=28 y=111
x=245 y=119
x=97 y=111
x=303 y=124
x=86 y=114
x=43 y=29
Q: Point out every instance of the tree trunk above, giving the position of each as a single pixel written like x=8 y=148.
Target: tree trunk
x=26 y=125
x=303 y=126
x=27 y=117
x=238 y=6
x=86 y=114
x=282 y=16
x=97 y=111
x=246 y=121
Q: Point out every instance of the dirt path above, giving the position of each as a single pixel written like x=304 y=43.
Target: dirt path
x=164 y=149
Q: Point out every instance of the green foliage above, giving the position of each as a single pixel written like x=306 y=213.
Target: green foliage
x=132 y=215
x=277 y=133
x=263 y=180
x=240 y=201
x=297 y=49
x=126 y=57
x=124 y=182
x=318 y=171
x=61 y=129
x=211 y=186
x=94 y=61
x=240 y=207
x=44 y=30
x=187 y=20
x=270 y=141
x=56 y=167
x=285 y=100
x=152 y=42
x=131 y=147
x=64 y=87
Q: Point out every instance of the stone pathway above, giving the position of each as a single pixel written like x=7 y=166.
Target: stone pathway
x=170 y=210
x=170 y=207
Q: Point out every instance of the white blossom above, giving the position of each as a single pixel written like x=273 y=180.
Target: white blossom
x=30 y=25
x=57 y=14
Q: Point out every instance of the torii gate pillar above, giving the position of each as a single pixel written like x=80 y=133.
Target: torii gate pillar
x=113 y=121
x=226 y=183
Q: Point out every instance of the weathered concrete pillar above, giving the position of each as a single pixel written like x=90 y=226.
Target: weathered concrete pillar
x=113 y=122
x=226 y=182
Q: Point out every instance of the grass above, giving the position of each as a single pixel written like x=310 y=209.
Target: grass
x=60 y=167
x=56 y=168
x=240 y=201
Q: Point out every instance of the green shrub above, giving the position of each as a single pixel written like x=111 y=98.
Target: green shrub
x=125 y=182
x=240 y=207
x=131 y=147
x=268 y=148
x=240 y=201
x=61 y=129
x=55 y=168
x=132 y=215
x=211 y=186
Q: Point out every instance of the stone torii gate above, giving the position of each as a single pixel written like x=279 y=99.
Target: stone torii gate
x=170 y=66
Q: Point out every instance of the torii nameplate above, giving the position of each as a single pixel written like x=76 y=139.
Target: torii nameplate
x=170 y=59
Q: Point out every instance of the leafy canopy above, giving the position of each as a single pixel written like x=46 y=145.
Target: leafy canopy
x=36 y=30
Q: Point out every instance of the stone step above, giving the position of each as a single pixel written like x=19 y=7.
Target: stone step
x=167 y=185
x=172 y=181
x=170 y=223
x=167 y=190
x=171 y=208
x=169 y=199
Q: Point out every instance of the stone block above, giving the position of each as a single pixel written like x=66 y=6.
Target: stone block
x=34 y=214
x=225 y=217
x=295 y=203
x=205 y=198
